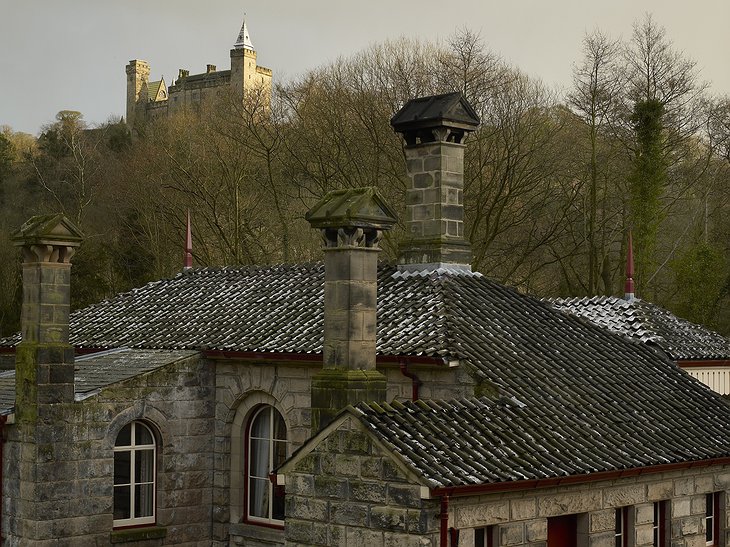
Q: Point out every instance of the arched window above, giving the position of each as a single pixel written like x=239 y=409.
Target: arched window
x=265 y=451
x=134 y=476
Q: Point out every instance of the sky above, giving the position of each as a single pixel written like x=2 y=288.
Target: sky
x=71 y=54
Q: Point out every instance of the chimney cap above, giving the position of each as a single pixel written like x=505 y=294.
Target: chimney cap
x=356 y=207
x=53 y=229
x=447 y=110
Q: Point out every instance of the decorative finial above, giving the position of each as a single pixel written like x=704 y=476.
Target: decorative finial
x=629 y=287
x=188 y=246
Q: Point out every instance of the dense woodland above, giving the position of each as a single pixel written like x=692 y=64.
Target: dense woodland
x=554 y=179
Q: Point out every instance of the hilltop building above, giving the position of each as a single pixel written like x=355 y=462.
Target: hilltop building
x=349 y=403
x=149 y=99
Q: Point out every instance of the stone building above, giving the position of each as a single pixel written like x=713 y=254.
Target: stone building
x=349 y=402
x=148 y=99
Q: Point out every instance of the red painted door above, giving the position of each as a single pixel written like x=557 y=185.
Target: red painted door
x=562 y=531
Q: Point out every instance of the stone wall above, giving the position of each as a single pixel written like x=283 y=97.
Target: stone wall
x=520 y=518
x=243 y=385
x=75 y=460
x=348 y=492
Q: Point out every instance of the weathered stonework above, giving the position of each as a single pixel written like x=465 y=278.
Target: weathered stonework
x=74 y=462
x=347 y=491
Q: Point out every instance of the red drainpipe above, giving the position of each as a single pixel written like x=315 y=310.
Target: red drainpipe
x=3 y=420
x=444 y=516
x=415 y=381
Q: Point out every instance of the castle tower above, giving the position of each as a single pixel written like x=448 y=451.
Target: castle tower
x=244 y=73
x=138 y=75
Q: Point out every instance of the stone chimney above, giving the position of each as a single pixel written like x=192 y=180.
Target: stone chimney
x=352 y=223
x=44 y=360
x=434 y=129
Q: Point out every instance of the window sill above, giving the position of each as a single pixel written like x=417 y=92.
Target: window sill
x=260 y=533
x=137 y=534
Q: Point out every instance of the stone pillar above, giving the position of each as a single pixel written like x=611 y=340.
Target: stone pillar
x=41 y=443
x=434 y=129
x=351 y=222
x=44 y=366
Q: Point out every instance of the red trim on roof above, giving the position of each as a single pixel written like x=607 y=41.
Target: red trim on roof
x=314 y=357
x=691 y=363
x=572 y=479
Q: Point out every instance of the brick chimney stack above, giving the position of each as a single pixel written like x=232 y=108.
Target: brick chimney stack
x=434 y=129
x=352 y=223
x=44 y=359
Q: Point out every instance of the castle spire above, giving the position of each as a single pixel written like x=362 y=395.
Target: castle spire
x=629 y=287
x=243 y=40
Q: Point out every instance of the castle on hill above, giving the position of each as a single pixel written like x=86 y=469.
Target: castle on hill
x=149 y=99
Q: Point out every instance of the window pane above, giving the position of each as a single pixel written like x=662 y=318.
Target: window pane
x=279 y=426
x=143 y=497
x=259 y=459
x=142 y=435
x=279 y=453
x=125 y=436
x=121 y=502
x=122 y=467
x=258 y=499
x=260 y=425
x=277 y=505
x=144 y=462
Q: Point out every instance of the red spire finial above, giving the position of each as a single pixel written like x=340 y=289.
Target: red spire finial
x=188 y=246
x=629 y=287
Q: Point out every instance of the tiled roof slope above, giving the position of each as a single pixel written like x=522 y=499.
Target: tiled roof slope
x=647 y=322
x=96 y=371
x=485 y=441
x=262 y=309
x=586 y=399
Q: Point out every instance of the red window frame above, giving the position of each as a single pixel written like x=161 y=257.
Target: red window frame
x=484 y=537
x=659 y=526
x=275 y=491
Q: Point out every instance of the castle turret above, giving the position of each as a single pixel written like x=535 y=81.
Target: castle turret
x=138 y=75
x=245 y=74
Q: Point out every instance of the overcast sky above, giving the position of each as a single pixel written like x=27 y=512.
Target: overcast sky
x=71 y=54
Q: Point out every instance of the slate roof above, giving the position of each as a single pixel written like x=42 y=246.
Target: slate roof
x=96 y=371
x=649 y=323
x=573 y=397
x=496 y=440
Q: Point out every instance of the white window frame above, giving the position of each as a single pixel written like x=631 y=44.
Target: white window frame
x=270 y=520
x=132 y=448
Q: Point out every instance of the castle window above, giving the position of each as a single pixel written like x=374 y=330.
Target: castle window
x=134 y=476
x=265 y=450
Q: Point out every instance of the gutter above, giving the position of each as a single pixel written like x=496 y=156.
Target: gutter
x=532 y=484
x=315 y=357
